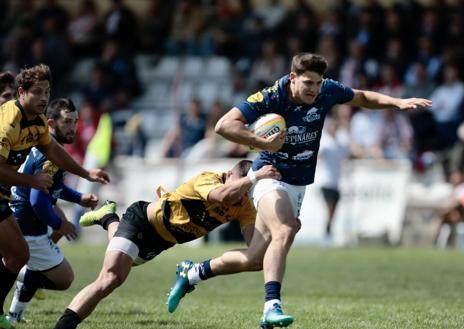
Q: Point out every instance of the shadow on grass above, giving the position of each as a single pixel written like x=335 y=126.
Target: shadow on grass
x=113 y=320
x=148 y=323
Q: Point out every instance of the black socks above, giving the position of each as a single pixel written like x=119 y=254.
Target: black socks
x=69 y=320
x=7 y=279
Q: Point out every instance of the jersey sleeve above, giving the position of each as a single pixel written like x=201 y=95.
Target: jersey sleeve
x=206 y=182
x=70 y=194
x=341 y=93
x=255 y=106
x=43 y=208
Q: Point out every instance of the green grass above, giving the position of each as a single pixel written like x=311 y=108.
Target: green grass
x=348 y=288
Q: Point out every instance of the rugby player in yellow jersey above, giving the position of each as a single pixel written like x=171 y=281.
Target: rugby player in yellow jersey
x=146 y=229
x=23 y=126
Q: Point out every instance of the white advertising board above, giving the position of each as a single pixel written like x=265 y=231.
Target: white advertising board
x=373 y=203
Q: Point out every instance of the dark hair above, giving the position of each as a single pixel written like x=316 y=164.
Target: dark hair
x=303 y=62
x=6 y=80
x=27 y=77
x=57 y=105
x=242 y=168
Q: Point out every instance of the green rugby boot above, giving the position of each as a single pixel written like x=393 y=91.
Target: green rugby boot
x=95 y=216
x=181 y=287
x=4 y=323
x=275 y=317
x=15 y=321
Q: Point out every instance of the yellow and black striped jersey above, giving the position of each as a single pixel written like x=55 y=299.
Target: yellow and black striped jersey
x=186 y=214
x=18 y=135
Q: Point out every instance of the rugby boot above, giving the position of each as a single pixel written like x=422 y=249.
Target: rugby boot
x=181 y=287
x=15 y=321
x=4 y=323
x=95 y=216
x=275 y=317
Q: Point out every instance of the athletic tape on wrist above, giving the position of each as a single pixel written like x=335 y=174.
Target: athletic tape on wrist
x=252 y=176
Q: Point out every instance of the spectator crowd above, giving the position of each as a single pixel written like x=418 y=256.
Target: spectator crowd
x=404 y=49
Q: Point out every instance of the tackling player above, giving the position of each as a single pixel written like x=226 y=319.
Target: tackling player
x=35 y=211
x=22 y=126
x=303 y=98
x=203 y=203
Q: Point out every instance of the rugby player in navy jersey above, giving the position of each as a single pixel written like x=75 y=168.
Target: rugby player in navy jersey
x=35 y=210
x=195 y=208
x=7 y=87
x=23 y=126
x=303 y=98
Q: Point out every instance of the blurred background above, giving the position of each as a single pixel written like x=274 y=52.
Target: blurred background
x=152 y=77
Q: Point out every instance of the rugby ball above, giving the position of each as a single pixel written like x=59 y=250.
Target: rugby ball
x=268 y=125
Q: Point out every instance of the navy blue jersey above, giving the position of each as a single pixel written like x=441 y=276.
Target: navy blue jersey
x=296 y=160
x=33 y=208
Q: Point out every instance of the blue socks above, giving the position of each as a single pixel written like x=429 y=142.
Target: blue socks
x=272 y=289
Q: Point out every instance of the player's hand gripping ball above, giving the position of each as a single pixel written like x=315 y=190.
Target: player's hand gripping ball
x=268 y=125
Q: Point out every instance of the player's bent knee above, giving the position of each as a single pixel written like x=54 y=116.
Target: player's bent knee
x=252 y=263
x=65 y=282
x=255 y=265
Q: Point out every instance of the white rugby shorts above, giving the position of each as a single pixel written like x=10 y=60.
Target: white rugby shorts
x=127 y=247
x=44 y=253
x=295 y=192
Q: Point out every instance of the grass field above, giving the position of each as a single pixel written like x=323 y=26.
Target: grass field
x=350 y=288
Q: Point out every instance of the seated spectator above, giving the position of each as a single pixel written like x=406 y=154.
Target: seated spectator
x=185 y=37
x=365 y=135
x=269 y=67
x=122 y=72
x=395 y=135
x=214 y=145
x=137 y=139
x=272 y=12
x=154 y=26
x=189 y=130
x=357 y=64
x=56 y=48
x=419 y=84
x=7 y=87
x=84 y=31
x=120 y=24
x=328 y=48
x=51 y=9
x=98 y=90
x=447 y=101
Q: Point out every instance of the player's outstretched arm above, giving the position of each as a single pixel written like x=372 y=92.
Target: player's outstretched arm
x=232 y=126
x=57 y=154
x=87 y=200
x=233 y=191
x=42 y=205
x=41 y=181
x=374 y=100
